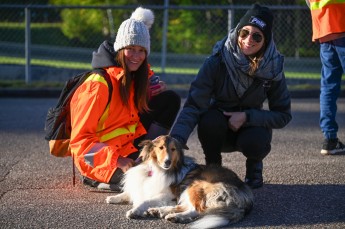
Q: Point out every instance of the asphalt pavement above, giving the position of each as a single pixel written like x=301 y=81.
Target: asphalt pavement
x=302 y=189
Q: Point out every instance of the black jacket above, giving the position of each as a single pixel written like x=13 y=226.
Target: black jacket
x=213 y=88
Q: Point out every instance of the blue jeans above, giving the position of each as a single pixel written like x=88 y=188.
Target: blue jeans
x=332 y=56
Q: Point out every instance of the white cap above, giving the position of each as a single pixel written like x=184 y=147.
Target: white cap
x=135 y=30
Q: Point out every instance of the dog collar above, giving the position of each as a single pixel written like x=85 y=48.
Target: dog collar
x=149 y=173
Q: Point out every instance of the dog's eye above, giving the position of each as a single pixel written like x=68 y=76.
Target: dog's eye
x=173 y=149
x=161 y=147
x=220 y=199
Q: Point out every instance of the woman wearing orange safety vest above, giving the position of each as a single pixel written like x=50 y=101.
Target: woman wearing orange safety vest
x=328 y=19
x=104 y=136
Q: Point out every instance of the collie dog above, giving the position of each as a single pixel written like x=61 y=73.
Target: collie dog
x=168 y=185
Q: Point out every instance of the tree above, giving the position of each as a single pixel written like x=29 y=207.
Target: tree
x=80 y=24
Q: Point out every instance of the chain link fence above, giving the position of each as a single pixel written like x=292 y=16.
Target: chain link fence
x=50 y=43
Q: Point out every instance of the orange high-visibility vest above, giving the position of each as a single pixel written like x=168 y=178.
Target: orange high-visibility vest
x=101 y=134
x=328 y=16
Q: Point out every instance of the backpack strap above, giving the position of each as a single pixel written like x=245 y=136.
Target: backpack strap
x=106 y=76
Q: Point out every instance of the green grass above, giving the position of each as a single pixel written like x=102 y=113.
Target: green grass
x=169 y=70
x=21 y=25
x=47 y=63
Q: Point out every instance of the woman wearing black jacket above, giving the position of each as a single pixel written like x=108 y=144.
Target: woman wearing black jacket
x=226 y=98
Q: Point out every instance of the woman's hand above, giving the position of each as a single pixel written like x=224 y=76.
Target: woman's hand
x=158 y=88
x=124 y=163
x=236 y=119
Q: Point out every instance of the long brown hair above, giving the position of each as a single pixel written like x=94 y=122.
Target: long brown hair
x=255 y=60
x=140 y=78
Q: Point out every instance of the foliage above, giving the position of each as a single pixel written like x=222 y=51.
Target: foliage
x=41 y=33
x=89 y=27
x=185 y=34
x=81 y=24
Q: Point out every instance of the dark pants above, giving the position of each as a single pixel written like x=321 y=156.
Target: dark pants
x=163 y=110
x=215 y=137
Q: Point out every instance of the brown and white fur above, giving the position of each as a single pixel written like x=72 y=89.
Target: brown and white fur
x=213 y=194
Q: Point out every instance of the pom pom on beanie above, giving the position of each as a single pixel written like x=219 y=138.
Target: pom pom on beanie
x=135 y=30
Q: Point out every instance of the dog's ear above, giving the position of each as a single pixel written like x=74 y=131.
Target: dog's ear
x=179 y=146
x=145 y=151
x=144 y=142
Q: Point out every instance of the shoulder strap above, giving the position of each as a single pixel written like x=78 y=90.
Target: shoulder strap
x=106 y=76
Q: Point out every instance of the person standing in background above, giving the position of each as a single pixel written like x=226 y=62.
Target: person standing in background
x=328 y=21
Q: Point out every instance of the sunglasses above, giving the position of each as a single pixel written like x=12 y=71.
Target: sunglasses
x=257 y=37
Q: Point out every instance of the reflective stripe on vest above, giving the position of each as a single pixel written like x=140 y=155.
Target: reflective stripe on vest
x=89 y=156
x=327 y=18
x=119 y=131
x=99 y=78
x=316 y=5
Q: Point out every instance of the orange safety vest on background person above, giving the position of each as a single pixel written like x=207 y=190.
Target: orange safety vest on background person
x=328 y=17
x=101 y=134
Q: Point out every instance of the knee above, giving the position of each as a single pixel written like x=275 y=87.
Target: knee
x=172 y=99
x=212 y=122
x=256 y=151
x=257 y=145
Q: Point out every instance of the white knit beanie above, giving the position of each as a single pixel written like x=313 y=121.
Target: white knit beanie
x=135 y=30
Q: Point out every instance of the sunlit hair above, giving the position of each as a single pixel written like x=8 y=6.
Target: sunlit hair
x=254 y=59
x=140 y=78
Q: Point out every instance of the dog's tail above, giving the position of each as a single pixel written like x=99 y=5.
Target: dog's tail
x=210 y=221
x=223 y=216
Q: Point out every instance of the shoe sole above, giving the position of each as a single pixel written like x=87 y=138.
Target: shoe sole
x=109 y=187
x=331 y=152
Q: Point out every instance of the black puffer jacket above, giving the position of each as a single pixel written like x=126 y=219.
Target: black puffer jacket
x=213 y=88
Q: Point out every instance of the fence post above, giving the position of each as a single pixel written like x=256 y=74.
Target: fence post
x=27 y=46
x=164 y=38
x=231 y=20
x=111 y=24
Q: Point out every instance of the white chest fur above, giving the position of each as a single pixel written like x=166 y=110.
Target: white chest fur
x=146 y=182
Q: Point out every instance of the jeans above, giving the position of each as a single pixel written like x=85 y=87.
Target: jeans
x=215 y=137
x=332 y=56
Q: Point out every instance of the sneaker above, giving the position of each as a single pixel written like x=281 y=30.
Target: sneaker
x=89 y=182
x=332 y=146
x=110 y=187
x=102 y=186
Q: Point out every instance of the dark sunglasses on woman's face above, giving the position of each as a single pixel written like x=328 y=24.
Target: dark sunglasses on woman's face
x=257 y=37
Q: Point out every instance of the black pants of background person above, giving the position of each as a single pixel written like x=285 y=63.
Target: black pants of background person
x=164 y=108
x=253 y=142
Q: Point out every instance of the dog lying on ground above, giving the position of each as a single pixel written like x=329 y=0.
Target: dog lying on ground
x=213 y=194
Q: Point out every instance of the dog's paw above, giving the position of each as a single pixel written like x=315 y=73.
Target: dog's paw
x=134 y=214
x=174 y=218
x=155 y=212
x=171 y=218
x=112 y=200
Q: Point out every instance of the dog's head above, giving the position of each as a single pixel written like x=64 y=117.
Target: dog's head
x=164 y=151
